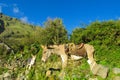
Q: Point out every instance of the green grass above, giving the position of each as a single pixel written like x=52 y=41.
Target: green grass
x=75 y=70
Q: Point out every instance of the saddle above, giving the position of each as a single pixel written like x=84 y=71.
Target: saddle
x=78 y=50
x=81 y=45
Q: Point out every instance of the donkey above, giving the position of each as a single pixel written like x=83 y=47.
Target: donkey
x=74 y=51
x=31 y=62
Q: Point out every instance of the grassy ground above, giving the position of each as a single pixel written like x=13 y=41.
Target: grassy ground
x=75 y=70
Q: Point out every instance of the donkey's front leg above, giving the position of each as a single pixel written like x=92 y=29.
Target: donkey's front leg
x=64 y=60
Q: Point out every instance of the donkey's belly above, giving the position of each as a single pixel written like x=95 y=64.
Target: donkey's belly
x=74 y=57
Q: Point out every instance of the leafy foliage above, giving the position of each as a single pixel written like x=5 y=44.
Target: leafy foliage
x=54 y=32
x=106 y=33
x=104 y=36
x=34 y=48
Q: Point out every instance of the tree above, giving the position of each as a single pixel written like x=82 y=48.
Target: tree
x=54 y=32
x=76 y=36
x=106 y=33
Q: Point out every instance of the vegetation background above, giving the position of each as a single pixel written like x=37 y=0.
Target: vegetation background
x=25 y=39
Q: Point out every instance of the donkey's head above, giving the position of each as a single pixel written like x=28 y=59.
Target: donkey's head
x=46 y=53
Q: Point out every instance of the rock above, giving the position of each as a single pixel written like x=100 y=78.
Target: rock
x=51 y=78
x=93 y=79
x=52 y=71
x=116 y=70
x=26 y=72
x=61 y=75
x=98 y=69
x=103 y=71
x=21 y=77
x=6 y=76
x=6 y=47
x=116 y=78
x=48 y=73
x=1 y=77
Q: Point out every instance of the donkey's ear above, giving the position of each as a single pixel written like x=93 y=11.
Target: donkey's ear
x=71 y=44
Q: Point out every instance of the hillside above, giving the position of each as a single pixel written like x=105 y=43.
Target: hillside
x=18 y=41
x=14 y=31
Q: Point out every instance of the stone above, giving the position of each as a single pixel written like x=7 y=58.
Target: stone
x=6 y=74
x=8 y=49
x=21 y=76
x=116 y=78
x=103 y=71
x=95 y=69
x=26 y=72
x=1 y=77
x=116 y=70
x=98 y=69
x=93 y=79
x=62 y=75
x=48 y=73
